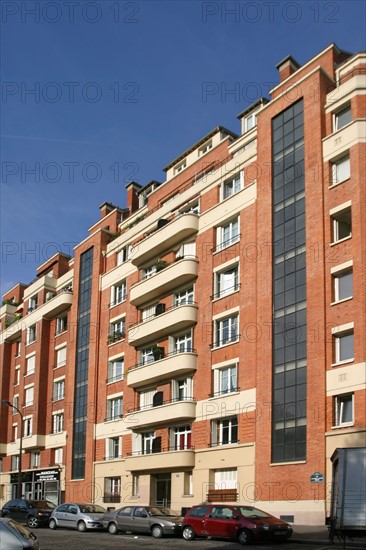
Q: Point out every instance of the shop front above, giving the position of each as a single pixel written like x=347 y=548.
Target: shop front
x=38 y=485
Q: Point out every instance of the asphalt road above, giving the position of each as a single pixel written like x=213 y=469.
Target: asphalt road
x=64 y=539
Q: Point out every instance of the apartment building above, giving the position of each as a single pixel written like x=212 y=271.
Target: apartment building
x=207 y=341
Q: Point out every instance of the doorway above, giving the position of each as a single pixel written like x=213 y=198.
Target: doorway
x=163 y=490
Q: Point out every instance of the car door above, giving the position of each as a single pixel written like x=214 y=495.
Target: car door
x=124 y=518
x=22 y=511
x=60 y=515
x=140 y=520
x=221 y=522
x=197 y=517
x=13 y=509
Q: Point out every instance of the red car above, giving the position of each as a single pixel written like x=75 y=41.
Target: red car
x=242 y=523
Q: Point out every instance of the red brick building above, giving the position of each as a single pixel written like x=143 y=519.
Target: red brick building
x=207 y=341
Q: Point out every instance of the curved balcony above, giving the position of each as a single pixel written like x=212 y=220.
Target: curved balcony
x=160 y=461
x=177 y=318
x=165 y=238
x=175 y=364
x=154 y=416
x=56 y=305
x=173 y=276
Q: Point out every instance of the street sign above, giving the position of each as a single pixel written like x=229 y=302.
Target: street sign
x=317 y=477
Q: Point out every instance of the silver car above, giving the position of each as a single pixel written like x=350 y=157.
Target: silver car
x=77 y=516
x=14 y=536
x=143 y=519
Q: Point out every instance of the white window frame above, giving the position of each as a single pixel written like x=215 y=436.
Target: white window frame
x=226 y=380
x=147 y=440
x=15 y=462
x=187 y=250
x=114 y=408
x=250 y=122
x=226 y=478
x=149 y=271
x=184 y=297
x=61 y=357
x=338 y=337
x=117 y=329
x=183 y=343
x=118 y=293
x=220 y=328
x=59 y=455
x=176 y=433
x=341 y=170
x=180 y=167
x=112 y=487
x=146 y=398
x=28 y=396
x=61 y=324
x=27 y=426
x=337 y=282
x=336 y=117
x=182 y=389
x=113 y=448
x=58 y=389
x=205 y=148
x=58 y=422
x=35 y=459
x=223 y=240
x=124 y=254
x=16 y=404
x=148 y=312
x=232 y=185
x=33 y=303
x=31 y=334
x=336 y=220
x=115 y=369
x=339 y=410
x=146 y=355
x=221 y=287
x=30 y=365
x=219 y=427
x=17 y=375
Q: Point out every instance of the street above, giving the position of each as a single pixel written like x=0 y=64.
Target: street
x=68 y=539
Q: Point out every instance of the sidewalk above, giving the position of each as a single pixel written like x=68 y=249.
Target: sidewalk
x=318 y=534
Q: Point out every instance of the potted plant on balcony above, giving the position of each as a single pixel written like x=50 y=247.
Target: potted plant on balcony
x=158 y=352
x=161 y=264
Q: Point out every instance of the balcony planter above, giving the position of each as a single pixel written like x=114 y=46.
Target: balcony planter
x=160 y=265
x=115 y=337
x=158 y=353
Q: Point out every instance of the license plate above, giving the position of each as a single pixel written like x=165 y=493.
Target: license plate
x=280 y=533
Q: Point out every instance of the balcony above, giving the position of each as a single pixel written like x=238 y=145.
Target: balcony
x=34 y=441
x=164 y=460
x=56 y=305
x=153 y=416
x=175 y=364
x=173 y=276
x=177 y=318
x=164 y=239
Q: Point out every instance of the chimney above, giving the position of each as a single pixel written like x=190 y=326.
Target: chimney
x=105 y=209
x=132 y=196
x=287 y=67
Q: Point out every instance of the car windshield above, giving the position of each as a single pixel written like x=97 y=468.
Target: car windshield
x=251 y=512
x=41 y=504
x=162 y=512
x=92 y=509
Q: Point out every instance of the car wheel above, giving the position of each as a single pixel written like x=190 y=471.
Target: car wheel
x=81 y=526
x=245 y=536
x=32 y=522
x=112 y=529
x=188 y=533
x=157 y=531
x=52 y=524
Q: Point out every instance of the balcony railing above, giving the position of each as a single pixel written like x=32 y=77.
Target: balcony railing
x=188 y=349
x=112 y=498
x=224 y=392
x=166 y=402
x=226 y=292
x=169 y=449
x=227 y=243
x=225 y=342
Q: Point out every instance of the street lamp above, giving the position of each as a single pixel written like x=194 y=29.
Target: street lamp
x=19 y=484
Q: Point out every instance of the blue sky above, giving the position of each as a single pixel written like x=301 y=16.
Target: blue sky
x=122 y=88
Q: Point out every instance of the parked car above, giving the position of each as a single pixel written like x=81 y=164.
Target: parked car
x=143 y=519
x=14 y=536
x=32 y=512
x=77 y=516
x=242 y=523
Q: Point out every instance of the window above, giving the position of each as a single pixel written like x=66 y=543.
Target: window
x=16 y=404
x=114 y=408
x=343 y=410
x=124 y=254
x=227 y=234
x=31 y=334
x=182 y=389
x=117 y=330
x=148 y=312
x=225 y=380
x=226 y=478
x=31 y=365
x=147 y=442
x=342 y=225
x=14 y=432
x=344 y=347
x=18 y=348
x=205 y=148
x=232 y=186
x=27 y=427
x=250 y=122
x=118 y=293
x=181 y=166
x=61 y=357
x=341 y=170
x=224 y=431
x=183 y=343
x=59 y=454
x=343 y=285
x=15 y=462
x=226 y=281
x=61 y=324
x=16 y=376
x=149 y=271
x=33 y=303
x=113 y=447
x=115 y=370
x=146 y=356
x=58 y=423
x=135 y=485
x=35 y=459
x=187 y=250
x=184 y=297
x=342 y=117
x=226 y=331
x=146 y=398
x=112 y=489
x=58 y=390
x=28 y=396
x=188 y=483
x=180 y=438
